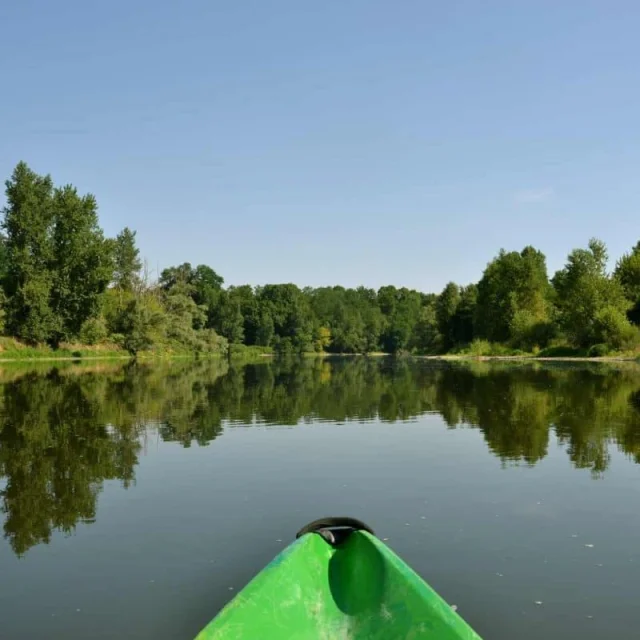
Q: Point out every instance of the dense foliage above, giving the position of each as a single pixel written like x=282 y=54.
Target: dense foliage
x=63 y=281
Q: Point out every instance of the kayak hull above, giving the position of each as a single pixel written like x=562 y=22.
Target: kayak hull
x=356 y=589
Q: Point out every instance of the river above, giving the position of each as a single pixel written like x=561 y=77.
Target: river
x=138 y=499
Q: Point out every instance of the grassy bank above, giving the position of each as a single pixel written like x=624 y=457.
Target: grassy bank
x=484 y=350
x=535 y=358
x=12 y=350
x=244 y=352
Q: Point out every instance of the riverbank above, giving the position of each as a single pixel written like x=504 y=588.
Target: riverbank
x=533 y=358
x=12 y=350
x=529 y=357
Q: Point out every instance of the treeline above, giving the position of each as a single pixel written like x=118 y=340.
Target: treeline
x=91 y=425
x=63 y=281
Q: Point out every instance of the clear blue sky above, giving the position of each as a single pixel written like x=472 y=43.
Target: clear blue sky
x=336 y=142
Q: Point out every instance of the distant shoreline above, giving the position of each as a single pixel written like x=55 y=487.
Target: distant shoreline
x=531 y=358
x=96 y=354
x=467 y=357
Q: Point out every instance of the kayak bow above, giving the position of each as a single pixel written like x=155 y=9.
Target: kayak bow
x=337 y=581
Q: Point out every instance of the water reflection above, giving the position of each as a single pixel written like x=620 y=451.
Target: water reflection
x=63 y=431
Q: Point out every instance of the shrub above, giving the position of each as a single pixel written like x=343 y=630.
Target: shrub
x=479 y=348
x=612 y=328
x=527 y=330
x=118 y=339
x=499 y=349
x=560 y=351
x=210 y=342
x=93 y=331
x=598 y=350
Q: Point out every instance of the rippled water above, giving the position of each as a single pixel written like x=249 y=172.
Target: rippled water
x=137 y=499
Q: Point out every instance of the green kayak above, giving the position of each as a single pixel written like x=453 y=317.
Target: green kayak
x=337 y=581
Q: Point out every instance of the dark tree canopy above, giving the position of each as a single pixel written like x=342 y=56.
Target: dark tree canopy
x=627 y=273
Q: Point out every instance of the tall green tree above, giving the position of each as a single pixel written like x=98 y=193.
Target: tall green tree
x=401 y=310
x=351 y=317
x=178 y=279
x=291 y=314
x=4 y=263
x=126 y=260
x=142 y=323
x=446 y=307
x=347 y=331
x=246 y=309
x=627 y=273
x=229 y=319
x=81 y=262
x=264 y=328
x=58 y=262
x=427 y=337
x=513 y=293
x=202 y=284
x=28 y=217
x=184 y=318
x=205 y=279
x=592 y=305
x=462 y=321
x=371 y=317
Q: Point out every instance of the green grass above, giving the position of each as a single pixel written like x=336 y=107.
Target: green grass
x=484 y=348
x=480 y=348
x=16 y=351
x=563 y=351
x=12 y=349
x=242 y=351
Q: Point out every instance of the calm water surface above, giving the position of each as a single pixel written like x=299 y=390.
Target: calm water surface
x=136 y=500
